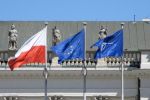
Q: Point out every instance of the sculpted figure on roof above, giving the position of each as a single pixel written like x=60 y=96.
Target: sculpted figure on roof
x=56 y=36
x=12 y=38
x=102 y=33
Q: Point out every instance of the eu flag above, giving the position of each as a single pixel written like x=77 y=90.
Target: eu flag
x=111 y=46
x=70 y=48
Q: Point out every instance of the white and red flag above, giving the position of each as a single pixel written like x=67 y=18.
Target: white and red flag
x=32 y=51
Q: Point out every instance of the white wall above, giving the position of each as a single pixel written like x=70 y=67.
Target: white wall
x=95 y=86
x=145 y=59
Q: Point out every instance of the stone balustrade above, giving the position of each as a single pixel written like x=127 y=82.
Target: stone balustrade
x=130 y=59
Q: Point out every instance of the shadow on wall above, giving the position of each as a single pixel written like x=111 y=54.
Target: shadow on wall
x=148 y=57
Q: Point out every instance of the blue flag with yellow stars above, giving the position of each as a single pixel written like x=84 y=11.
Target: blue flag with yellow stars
x=71 y=48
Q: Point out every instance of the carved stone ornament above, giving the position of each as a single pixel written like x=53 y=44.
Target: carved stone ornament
x=12 y=38
x=56 y=98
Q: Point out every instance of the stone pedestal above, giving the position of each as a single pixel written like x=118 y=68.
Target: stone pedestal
x=101 y=63
x=11 y=53
x=55 y=62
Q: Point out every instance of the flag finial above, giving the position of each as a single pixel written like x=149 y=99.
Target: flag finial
x=46 y=23
x=84 y=23
x=122 y=25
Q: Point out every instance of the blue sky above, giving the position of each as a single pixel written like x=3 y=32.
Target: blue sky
x=74 y=10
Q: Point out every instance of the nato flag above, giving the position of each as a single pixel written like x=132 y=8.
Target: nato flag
x=111 y=46
x=70 y=48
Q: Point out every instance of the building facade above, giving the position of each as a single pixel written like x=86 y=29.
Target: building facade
x=65 y=81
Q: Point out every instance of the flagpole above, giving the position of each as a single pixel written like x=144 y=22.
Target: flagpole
x=45 y=69
x=122 y=71
x=84 y=70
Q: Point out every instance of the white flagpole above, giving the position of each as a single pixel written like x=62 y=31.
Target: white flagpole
x=122 y=71
x=84 y=70
x=45 y=69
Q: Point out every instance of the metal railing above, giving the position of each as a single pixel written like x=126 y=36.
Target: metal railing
x=131 y=59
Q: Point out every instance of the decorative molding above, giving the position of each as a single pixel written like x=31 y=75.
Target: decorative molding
x=73 y=74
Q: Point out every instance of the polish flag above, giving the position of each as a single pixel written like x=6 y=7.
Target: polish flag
x=32 y=51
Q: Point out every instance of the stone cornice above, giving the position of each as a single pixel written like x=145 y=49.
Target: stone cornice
x=73 y=73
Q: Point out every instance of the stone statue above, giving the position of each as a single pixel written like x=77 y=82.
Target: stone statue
x=12 y=37
x=103 y=33
x=56 y=36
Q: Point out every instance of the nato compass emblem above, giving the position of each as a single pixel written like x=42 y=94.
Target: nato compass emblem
x=104 y=45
